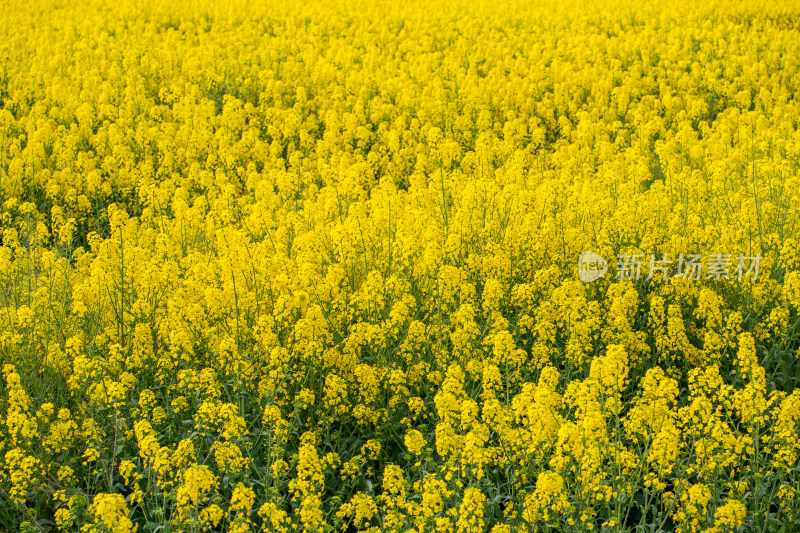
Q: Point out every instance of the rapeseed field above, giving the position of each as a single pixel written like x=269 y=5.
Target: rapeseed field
x=444 y=266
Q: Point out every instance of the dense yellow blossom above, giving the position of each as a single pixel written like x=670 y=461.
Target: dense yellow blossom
x=314 y=266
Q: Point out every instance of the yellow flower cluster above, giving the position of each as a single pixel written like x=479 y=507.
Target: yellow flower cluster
x=313 y=266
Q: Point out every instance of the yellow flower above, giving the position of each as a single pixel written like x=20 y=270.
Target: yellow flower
x=415 y=442
x=243 y=498
x=111 y=511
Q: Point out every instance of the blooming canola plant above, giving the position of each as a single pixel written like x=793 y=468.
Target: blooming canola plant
x=383 y=266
